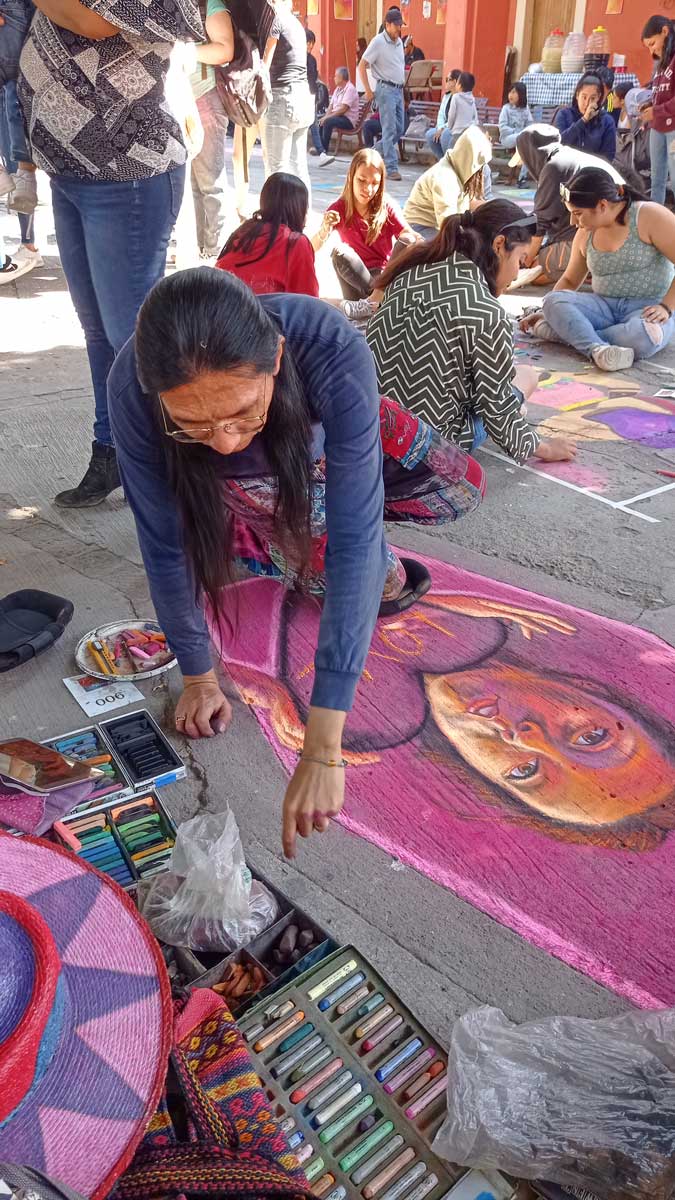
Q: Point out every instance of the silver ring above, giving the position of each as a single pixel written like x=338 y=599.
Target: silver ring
x=180 y=719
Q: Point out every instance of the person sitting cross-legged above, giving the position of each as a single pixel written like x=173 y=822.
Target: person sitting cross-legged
x=342 y=112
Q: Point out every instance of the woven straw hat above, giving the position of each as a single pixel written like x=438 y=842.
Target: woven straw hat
x=85 y=1018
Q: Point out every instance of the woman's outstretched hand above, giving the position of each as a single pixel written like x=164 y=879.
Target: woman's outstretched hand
x=315 y=794
x=202 y=710
x=556 y=449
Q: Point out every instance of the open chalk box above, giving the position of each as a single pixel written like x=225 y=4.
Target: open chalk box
x=130 y=840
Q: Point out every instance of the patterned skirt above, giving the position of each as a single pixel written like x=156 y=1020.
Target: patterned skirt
x=427 y=481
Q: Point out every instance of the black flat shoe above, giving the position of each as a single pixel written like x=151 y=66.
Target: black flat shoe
x=417 y=584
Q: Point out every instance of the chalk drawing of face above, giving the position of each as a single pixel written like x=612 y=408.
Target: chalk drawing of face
x=552 y=745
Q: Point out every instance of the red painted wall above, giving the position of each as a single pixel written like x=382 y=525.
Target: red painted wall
x=476 y=39
x=425 y=31
x=625 y=28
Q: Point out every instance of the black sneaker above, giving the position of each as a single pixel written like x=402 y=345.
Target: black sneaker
x=100 y=479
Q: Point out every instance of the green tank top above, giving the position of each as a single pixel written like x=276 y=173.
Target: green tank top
x=637 y=271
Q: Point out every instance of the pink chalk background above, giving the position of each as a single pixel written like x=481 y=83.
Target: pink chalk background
x=606 y=912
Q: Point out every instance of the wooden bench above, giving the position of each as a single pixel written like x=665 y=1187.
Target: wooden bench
x=418 y=108
x=365 y=109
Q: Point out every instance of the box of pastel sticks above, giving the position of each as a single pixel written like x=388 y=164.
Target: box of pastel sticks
x=90 y=745
x=358 y=1083
x=130 y=839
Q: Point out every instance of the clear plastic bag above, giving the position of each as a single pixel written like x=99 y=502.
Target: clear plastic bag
x=208 y=900
x=582 y=1103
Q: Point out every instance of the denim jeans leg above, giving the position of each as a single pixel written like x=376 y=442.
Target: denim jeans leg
x=125 y=230
x=448 y=140
x=209 y=175
x=329 y=126
x=386 y=99
x=18 y=149
x=315 y=134
x=16 y=17
x=644 y=338
x=578 y=318
x=354 y=277
x=658 y=153
x=433 y=144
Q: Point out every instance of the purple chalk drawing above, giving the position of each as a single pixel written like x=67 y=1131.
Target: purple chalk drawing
x=653 y=429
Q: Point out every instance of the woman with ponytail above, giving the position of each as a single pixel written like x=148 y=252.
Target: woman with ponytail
x=254 y=446
x=629 y=250
x=442 y=342
x=658 y=36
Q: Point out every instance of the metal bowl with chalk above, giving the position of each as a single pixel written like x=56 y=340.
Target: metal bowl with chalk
x=118 y=651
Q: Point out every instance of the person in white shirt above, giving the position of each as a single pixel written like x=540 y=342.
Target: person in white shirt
x=342 y=112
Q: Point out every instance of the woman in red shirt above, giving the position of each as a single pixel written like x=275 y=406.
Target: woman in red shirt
x=270 y=252
x=367 y=222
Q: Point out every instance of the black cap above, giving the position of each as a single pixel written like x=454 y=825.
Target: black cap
x=393 y=16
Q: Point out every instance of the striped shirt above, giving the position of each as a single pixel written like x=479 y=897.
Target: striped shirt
x=443 y=346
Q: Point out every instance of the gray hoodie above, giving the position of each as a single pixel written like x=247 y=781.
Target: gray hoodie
x=462 y=112
x=551 y=164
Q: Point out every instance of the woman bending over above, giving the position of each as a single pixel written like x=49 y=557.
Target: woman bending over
x=270 y=252
x=442 y=340
x=629 y=250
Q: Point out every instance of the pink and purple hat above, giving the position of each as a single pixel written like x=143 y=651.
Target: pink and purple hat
x=85 y=1018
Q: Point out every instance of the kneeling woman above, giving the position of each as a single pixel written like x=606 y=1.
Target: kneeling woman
x=256 y=446
x=442 y=341
x=270 y=252
x=629 y=249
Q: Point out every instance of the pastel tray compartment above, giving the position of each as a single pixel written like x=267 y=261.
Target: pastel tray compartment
x=267 y=941
x=73 y=818
x=246 y=958
x=146 y=754
x=105 y=791
x=339 y=1033
x=106 y=811
x=130 y=807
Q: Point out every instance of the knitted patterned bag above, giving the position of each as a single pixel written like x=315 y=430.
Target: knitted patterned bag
x=231 y=1145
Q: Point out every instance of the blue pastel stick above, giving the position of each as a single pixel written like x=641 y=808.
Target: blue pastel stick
x=403 y=1055
x=296 y=1139
x=293 y=1039
x=343 y=990
x=372 y=1002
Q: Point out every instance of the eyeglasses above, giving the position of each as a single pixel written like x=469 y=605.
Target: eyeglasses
x=206 y=433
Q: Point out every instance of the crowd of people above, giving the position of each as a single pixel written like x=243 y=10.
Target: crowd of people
x=277 y=444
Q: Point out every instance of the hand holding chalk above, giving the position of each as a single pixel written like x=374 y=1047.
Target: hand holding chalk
x=202 y=710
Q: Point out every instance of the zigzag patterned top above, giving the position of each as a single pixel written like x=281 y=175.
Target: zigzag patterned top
x=443 y=347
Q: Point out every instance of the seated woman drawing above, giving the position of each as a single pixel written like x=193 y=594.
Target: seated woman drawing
x=442 y=340
x=270 y=252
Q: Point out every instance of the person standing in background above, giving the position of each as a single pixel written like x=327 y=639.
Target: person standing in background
x=27 y=257
x=91 y=85
x=313 y=84
x=658 y=36
x=385 y=57
x=291 y=112
x=208 y=174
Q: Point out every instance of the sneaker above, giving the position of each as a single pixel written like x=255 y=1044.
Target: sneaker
x=544 y=332
x=612 y=358
x=99 y=480
x=33 y=257
x=358 y=310
x=325 y=159
x=13 y=270
x=6 y=182
x=24 y=198
x=394 y=175
x=525 y=277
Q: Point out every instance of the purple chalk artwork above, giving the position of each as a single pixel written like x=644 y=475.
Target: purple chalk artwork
x=516 y=750
x=649 y=428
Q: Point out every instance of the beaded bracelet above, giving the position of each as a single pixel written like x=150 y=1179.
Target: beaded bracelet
x=324 y=762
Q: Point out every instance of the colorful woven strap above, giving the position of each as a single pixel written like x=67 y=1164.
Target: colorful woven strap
x=203 y=1170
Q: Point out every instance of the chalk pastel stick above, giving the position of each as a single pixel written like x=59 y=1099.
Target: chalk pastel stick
x=296 y=1139
x=373 y=1022
x=324 y=1185
x=336 y=1106
x=287 y=1125
x=371 y=1189
x=371 y=1003
x=366 y=1124
x=253 y=1032
x=398 y=1059
x=377 y=1159
x=284 y=1064
x=343 y=990
x=322 y=1097
x=422 y=1080
x=427 y=1185
x=304 y=1152
x=401 y=1186
x=301 y=1033
x=351 y=1001
x=286 y=1027
x=275 y=1011
x=338 y=1193
x=381 y=1034
x=392 y=1085
x=314 y=1168
x=437 y=1089
x=326 y=984
x=315 y=1081
x=331 y=1131
x=363 y=1148
x=311 y=1064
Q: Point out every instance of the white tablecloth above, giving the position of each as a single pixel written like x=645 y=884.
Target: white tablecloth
x=553 y=90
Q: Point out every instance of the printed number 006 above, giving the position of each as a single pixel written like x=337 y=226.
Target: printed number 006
x=111 y=698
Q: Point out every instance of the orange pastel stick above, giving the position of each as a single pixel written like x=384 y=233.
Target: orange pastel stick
x=270 y=1038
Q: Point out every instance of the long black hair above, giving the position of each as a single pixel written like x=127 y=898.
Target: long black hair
x=592 y=184
x=521 y=90
x=472 y=235
x=194 y=323
x=590 y=80
x=654 y=26
x=284 y=200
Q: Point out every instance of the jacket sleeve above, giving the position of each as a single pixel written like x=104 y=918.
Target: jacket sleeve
x=493 y=397
x=444 y=195
x=452 y=113
x=504 y=124
x=572 y=133
x=608 y=143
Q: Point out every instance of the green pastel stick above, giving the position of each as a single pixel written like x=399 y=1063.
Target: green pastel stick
x=314 y=1167
x=378 y=1135
x=346 y=1119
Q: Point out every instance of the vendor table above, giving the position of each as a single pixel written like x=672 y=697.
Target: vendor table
x=550 y=91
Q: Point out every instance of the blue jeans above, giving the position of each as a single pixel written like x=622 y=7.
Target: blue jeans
x=112 y=239
x=389 y=102
x=585 y=320
x=428 y=232
x=372 y=130
x=315 y=134
x=17 y=16
x=26 y=220
x=14 y=141
x=328 y=126
x=663 y=164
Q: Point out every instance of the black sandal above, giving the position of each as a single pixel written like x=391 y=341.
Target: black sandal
x=418 y=582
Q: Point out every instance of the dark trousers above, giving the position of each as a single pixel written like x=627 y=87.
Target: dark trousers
x=331 y=123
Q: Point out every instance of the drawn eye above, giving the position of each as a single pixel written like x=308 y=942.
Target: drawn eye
x=524 y=770
x=487 y=706
x=591 y=737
